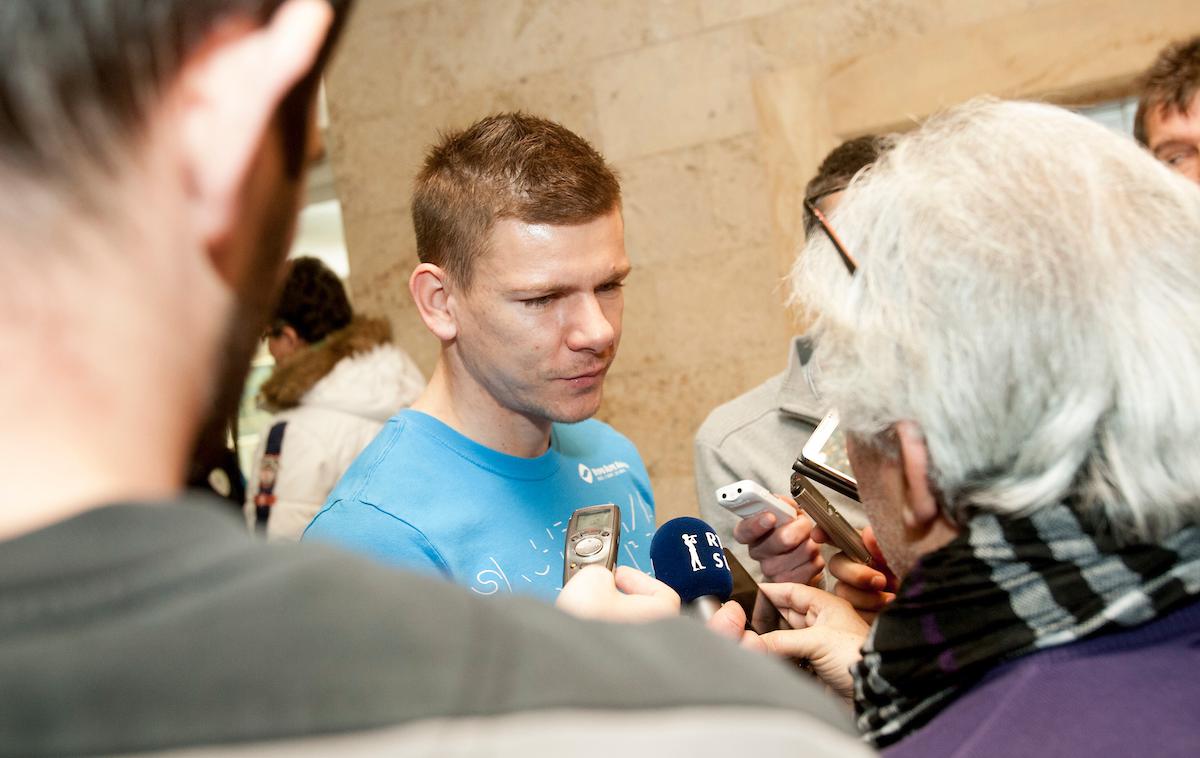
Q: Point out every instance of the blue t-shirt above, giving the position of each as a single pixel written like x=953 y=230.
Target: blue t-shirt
x=424 y=497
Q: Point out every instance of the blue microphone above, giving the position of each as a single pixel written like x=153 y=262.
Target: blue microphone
x=688 y=558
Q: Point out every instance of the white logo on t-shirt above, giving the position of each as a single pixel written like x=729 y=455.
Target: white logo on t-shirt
x=600 y=473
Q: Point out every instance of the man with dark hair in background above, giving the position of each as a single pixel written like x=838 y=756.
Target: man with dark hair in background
x=337 y=378
x=151 y=160
x=522 y=249
x=1168 y=115
x=758 y=435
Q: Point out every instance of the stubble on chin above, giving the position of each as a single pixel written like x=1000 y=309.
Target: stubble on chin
x=575 y=409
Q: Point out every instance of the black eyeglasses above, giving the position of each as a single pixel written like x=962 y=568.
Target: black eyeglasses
x=810 y=205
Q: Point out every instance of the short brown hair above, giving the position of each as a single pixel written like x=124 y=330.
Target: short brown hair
x=509 y=165
x=1171 y=82
x=839 y=167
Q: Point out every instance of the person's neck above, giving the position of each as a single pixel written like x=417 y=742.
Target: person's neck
x=456 y=400
x=68 y=447
x=101 y=401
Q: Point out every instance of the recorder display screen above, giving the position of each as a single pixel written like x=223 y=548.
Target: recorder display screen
x=589 y=521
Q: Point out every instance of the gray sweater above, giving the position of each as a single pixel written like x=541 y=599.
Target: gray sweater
x=757 y=436
x=137 y=628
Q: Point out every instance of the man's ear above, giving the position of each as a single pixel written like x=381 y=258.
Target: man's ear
x=226 y=96
x=429 y=287
x=292 y=338
x=921 y=508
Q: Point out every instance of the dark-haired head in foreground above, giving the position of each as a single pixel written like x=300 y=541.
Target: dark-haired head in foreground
x=151 y=157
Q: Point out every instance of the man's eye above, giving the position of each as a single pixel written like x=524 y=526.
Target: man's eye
x=610 y=287
x=1175 y=157
x=538 y=302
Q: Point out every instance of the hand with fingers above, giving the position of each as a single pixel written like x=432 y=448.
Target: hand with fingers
x=786 y=552
x=826 y=631
x=626 y=595
x=730 y=621
x=867 y=588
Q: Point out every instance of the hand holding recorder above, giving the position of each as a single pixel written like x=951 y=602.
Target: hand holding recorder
x=779 y=537
x=624 y=595
x=867 y=587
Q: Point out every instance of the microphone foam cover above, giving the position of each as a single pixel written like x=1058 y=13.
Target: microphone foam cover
x=687 y=557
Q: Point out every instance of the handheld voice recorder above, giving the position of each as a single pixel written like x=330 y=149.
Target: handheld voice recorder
x=749 y=498
x=593 y=537
x=822 y=512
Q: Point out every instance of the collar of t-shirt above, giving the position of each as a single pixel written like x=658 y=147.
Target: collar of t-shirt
x=511 y=466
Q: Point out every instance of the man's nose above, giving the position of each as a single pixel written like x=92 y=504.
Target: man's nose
x=590 y=328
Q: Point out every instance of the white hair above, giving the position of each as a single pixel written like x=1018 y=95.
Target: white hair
x=1028 y=293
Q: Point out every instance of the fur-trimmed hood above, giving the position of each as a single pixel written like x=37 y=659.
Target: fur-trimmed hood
x=356 y=370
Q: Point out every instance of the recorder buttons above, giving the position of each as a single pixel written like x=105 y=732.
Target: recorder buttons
x=588 y=546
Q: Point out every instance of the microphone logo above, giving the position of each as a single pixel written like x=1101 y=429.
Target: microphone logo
x=586 y=474
x=690 y=541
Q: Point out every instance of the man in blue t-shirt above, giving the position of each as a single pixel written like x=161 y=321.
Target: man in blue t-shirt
x=521 y=242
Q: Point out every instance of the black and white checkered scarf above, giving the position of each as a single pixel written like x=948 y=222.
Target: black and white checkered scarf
x=1004 y=588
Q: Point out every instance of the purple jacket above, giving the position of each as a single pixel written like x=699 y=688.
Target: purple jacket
x=1130 y=693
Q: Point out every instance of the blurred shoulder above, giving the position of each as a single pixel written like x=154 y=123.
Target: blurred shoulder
x=742 y=411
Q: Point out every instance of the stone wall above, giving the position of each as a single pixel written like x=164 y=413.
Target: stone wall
x=666 y=90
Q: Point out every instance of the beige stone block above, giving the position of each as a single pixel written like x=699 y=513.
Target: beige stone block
x=796 y=134
x=388 y=61
x=374 y=163
x=1047 y=53
x=376 y=160
x=816 y=31
x=550 y=33
x=699 y=199
x=716 y=12
x=563 y=95
x=675 y=94
x=640 y=313
x=416 y=55
x=371 y=10
x=738 y=191
x=955 y=13
x=378 y=245
x=718 y=304
x=382 y=256
x=667 y=206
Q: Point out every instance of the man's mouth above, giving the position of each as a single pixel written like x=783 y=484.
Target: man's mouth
x=592 y=373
